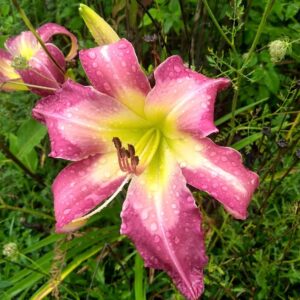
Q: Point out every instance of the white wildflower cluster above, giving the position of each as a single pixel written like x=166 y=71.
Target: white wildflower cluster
x=278 y=50
x=10 y=250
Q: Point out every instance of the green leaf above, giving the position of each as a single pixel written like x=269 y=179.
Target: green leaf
x=30 y=135
x=238 y=111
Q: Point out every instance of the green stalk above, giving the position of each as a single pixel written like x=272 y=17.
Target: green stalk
x=213 y=18
x=267 y=10
x=26 y=211
x=139 y=290
x=51 y=284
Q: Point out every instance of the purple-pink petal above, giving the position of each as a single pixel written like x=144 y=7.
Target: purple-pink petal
x=47 y=31
x=43 y=72
x=184 y=98
x=114 y=69
x=73 y=117
x=220 y=172
x=165 y=226
x=82 y=186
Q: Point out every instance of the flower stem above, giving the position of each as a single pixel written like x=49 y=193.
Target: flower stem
x=267 y=10
x=12 y=157
x=25 y=210
x=213 y=18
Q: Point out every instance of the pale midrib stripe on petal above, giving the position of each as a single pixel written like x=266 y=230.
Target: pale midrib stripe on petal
x=182 y=101
x=231 y=179
x=167 y=246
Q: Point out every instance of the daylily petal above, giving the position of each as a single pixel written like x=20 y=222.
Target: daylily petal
x=183 y=98
x=114 y=69
x=161 y=218
x=218 y=171
x=24 y=44
x=82 y=186
x=8 y=73
x=82 y=121
x=47 y=31
x=43 y=72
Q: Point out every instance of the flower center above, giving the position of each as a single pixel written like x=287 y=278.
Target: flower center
x=135 y=159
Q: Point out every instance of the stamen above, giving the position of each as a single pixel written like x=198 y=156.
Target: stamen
x=126 y=157
x=131 y=150
x=117 y=143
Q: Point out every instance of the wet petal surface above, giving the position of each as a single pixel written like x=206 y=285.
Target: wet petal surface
x=82 y=186
x=218 y=171
x=183 y=99
x=114 y=69
x=161 y=218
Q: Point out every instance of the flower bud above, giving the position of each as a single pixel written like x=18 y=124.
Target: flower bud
x=278 y=49
x=101 y=31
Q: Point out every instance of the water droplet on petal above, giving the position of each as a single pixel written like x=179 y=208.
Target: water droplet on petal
x=153 y=226
x=177 y=69
x=92 y=55
x=106 y=86
x=144 y=214
x=67 y=211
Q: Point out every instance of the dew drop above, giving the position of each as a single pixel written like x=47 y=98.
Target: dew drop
x=144 y=215
x=153 y=227
x=156 y=239
x=122 y=46
x=107 y=86
x=67 y=211
x=84 y=188
x=177 y=69
x=94 y=65
x=92 y=55
x=182 y=164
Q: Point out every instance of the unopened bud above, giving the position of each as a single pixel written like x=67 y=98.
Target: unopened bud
x=101 y=31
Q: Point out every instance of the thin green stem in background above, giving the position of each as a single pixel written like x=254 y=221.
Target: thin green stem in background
x=213 y=18
x=262 y=23
x=26 y=211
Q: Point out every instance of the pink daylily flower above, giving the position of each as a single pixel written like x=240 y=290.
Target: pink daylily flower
x=25 y=61
x=165 y=129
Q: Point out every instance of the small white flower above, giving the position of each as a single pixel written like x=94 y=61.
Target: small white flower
x=278 y=49
x=10 y=250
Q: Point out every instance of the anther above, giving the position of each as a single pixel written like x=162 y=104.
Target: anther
x=117 y=143
x=131 y=150
x=127 y=159
x=134 y=162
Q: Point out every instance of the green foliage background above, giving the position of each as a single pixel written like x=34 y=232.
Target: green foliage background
x=259 y=115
